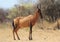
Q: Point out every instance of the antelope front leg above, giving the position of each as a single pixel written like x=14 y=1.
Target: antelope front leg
x=30 y=32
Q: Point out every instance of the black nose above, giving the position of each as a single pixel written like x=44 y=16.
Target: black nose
x=39 y=10
x=41 y=15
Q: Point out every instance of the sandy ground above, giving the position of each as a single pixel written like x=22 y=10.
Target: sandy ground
x=39 y=35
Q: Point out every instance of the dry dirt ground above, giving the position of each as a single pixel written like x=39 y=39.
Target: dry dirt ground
x=38 y=34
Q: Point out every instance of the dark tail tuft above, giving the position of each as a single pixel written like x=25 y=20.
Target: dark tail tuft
x=13 y=25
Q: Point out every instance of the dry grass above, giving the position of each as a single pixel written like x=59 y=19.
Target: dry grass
x=39 y=35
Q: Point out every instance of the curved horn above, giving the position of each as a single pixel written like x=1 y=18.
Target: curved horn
x=37 y=7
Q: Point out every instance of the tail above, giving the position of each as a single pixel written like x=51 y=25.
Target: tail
x=14 y=26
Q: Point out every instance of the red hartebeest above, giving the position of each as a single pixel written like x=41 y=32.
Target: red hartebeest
x=27 y=21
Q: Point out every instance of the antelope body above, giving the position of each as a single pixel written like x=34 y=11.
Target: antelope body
x=27 y=21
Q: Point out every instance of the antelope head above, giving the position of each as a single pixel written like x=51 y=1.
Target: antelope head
x=39 y=11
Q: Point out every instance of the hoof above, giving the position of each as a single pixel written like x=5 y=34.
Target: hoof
x=30 y=38
x=18 y=38
x=14 y=39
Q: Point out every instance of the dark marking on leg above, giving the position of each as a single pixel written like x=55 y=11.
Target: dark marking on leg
x=30 y=32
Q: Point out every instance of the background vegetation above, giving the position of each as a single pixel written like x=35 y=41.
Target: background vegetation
x=50 y=10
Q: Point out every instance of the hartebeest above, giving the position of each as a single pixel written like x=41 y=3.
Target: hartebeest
x=27 y=21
